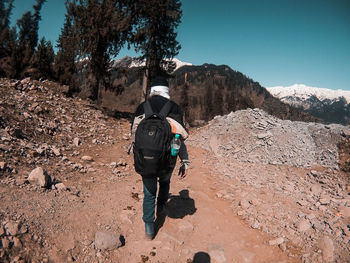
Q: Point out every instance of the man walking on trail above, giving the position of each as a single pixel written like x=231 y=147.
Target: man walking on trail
x=156 y=121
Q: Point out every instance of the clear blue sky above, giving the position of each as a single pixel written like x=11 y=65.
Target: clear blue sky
x=274 y=42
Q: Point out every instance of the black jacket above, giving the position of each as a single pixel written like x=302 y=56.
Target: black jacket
x=157 y=103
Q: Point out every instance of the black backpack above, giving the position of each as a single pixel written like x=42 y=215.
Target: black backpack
x=152 y=143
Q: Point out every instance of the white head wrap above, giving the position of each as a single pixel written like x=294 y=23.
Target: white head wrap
x=161 y=91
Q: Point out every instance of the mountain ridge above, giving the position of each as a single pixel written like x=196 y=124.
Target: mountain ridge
x=202 y=91
x=131 y=62
x=328 y=106
x=332 y=106
x=304 y=92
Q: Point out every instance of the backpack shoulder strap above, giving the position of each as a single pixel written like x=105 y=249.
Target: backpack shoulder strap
x=147 y=108
x=166 y=109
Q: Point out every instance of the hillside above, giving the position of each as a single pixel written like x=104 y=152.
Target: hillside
x=260 y=189
x=202 y=91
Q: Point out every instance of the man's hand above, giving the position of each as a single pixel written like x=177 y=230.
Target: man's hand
x=183 y=168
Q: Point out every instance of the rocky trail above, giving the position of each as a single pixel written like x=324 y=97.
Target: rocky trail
x=85 y=203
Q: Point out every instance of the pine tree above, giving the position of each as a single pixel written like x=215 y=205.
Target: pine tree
x=101 y=28
x=6 y=35
x=27 y=38
x=5 y=12
x=155 y=36
x=67 y=51
x=8 y=63
x=43 y=58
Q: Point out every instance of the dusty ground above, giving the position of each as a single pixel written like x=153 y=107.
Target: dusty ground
x=102 y=193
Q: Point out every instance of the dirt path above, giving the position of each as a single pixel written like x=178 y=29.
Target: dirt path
x=211 y=227
x=197 y=220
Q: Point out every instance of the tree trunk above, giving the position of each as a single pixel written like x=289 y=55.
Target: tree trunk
x=145 y=94
x=144 y=86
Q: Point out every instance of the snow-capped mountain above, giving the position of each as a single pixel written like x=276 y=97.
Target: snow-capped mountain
x=329 y=105
x=132 y=62
x=304 y=92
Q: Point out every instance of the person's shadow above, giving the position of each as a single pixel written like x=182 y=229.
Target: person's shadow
x=201 y=257
x=178 y=206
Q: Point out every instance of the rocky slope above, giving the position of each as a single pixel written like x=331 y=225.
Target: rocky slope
x=40 y=133
x=308 y=207
x=257 y=137
x=263 y=190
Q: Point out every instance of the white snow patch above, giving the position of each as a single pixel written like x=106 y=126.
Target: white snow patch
x=304 y=92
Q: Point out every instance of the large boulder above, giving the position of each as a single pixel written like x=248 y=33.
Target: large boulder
x=109 y=241
x=40 y=177
x=12 y=228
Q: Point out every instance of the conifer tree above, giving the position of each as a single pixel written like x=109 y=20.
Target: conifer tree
x=8 y=63
x=5 y=12
x=155 y=36
x=67 y=51
x=27 y=38
x=43 y=58
x=101 y=28
x=6 y=36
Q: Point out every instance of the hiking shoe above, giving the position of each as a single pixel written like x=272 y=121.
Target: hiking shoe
x=149 y=230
